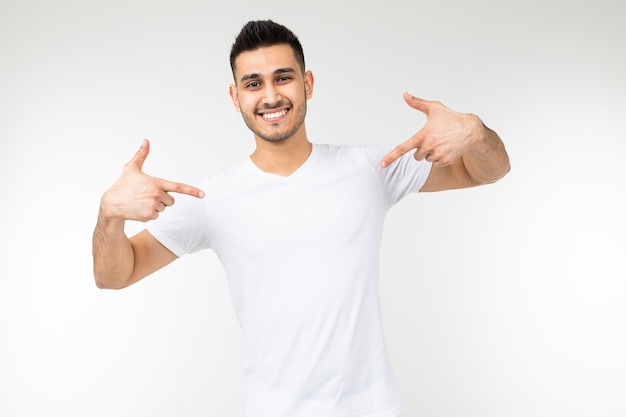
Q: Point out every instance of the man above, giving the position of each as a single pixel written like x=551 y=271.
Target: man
x=297 y=227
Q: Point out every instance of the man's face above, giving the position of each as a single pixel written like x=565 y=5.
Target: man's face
x=271 y=92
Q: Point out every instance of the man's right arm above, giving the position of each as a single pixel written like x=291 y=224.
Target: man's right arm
x=117 y=260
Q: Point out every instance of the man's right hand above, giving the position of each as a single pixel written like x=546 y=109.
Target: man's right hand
x=137 y=196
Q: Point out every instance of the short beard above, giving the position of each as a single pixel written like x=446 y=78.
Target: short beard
x=278 y=137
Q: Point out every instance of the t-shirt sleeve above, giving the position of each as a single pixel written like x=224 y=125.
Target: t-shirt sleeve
x=404 y=176
x=183 y=227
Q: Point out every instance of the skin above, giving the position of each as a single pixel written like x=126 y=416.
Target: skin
x=464 y=153
x=269 y=80
x=119 y=261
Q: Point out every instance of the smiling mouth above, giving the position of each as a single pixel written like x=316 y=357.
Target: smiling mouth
x=274 y=115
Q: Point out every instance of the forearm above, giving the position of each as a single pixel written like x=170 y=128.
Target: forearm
x=113 y=256
x=487 y=161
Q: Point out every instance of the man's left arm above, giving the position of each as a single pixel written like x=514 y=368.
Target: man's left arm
x=463 y=151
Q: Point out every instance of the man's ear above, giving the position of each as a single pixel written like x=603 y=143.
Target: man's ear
x=234 y=96
x=309 y=80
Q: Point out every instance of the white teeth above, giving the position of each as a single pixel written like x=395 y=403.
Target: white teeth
x=274 y=115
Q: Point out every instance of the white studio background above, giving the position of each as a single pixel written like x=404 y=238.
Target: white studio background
x=507 y=300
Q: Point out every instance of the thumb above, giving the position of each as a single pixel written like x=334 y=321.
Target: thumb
x=136 y=163
x=417 y=103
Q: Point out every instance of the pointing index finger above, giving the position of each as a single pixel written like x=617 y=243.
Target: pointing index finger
x=396 y=153
x=180 y=188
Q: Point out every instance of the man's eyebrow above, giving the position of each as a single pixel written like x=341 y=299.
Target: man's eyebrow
x=284 y=70
x=252 y=76
x=255 y=76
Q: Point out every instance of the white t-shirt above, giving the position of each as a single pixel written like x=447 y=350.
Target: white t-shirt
x=301 y=254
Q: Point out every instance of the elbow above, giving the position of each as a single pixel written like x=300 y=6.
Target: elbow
x=496 y=163
x=507 y=169
x=495 y=174
x=501 y=173
x=504 y=169
x=486 y=178
x=99 y=284
x=104 y=283
x=505 y=166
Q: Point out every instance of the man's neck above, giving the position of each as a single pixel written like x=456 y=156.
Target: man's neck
x=281 y=158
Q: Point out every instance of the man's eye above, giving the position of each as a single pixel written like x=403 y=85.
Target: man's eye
x=283 y=79
x=253 y=84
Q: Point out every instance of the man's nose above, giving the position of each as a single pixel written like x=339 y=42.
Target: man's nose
x=272 y=95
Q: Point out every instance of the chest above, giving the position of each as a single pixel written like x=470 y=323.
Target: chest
x=305 y=216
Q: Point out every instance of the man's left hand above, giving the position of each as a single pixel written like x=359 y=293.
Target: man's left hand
x=445 y=137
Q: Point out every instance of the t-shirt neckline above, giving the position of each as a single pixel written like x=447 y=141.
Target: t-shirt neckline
x=280 y=178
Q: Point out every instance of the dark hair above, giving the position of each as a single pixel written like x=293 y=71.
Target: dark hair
x=263 y=33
